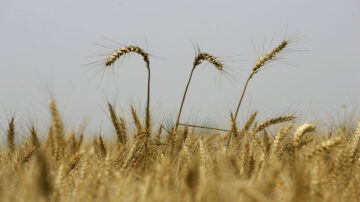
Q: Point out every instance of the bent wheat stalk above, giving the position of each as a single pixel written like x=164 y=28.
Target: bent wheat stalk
x=128 y=49
x=198 y=60
x=204 y=127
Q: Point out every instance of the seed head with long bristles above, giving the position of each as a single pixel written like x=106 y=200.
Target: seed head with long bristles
x=34 y=138
x=269 y=56
x=325 y=146
x=207 y=57
x=247 y=125
x=117 y=126
x=280 y=119
x=125 y=50
x=11 y=135
x=301 y=131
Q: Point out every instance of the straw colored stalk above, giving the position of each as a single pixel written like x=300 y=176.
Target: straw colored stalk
x=123 y=51
x=260 y=62
x=198 y=60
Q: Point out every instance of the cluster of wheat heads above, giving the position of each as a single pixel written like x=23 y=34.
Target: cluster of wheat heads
x=199 y=58
x=268 y=57
x=259 y=162
x=291 y=163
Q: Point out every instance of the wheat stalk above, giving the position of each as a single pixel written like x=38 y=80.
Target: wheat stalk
x=259 y=63
x=204 y=127
x=198 y=60
x=128 y=49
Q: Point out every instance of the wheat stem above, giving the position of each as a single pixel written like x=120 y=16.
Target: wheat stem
x=203 y=127
x=242 y=96
x=128 y=49
x=198 y=60
x=259 y=63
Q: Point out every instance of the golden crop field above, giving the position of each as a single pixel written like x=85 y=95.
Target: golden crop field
x=279 y=159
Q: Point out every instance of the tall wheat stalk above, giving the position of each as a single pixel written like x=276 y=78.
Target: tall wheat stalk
x=260 y=62
x=128 y=49
x=198 y=60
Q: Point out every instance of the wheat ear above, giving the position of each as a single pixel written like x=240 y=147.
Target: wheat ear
x=102 y=146
x=115 y=121
x=280 y=119
x=198 y=60
x=325 y=146
x=301 y=131
x=280 y=136
x=247 y=125
x=34 y=138
x=11 y=135
x=353 y=145
x=128 y=49
x=137 y=121
x=58 y=129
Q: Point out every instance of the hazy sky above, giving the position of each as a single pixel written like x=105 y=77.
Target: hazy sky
x=45 y=46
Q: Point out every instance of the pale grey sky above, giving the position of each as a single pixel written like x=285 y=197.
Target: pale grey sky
x=44 y=45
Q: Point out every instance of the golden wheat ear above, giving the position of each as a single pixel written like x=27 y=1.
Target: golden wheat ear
x=34 y=137
x=121 y=136
x=301 y=131
x=135 y=49
x=269 y=56
x=325 y=146
x=125 y=50
x=209 y=58
x=197 y=61
x=11 y=135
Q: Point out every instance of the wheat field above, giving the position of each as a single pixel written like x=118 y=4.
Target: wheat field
x=279 y=159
